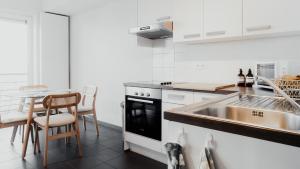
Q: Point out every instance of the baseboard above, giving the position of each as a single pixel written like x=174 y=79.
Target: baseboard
x=149 y=153
x=104 y=124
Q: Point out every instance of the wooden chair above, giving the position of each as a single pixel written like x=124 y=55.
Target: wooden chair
x=38 y=107
x=14 y=119
x=23 y=106
x=88 y=105
x=55 y=102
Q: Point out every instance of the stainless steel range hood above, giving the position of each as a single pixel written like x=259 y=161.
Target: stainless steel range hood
x=155 y=31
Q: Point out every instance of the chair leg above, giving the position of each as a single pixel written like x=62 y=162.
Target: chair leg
x=31 y=131
x=13 y=136
x=66 y=130
x=76 y=128
x=23 y=130
x=20 y=130
x=84 y=122
x=58 y=130
x=69 y=127
x=37 y=140
x=96 y=122
x=45 y=162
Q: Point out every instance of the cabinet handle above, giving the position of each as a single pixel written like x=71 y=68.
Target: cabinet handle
x=140 y=100
x=163 y=18
x=188 y=36
x=215 y=33
x=259 y=28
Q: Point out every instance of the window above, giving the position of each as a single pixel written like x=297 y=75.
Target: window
x=14 y=59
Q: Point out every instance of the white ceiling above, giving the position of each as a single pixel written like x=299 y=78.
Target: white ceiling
x=70 y=7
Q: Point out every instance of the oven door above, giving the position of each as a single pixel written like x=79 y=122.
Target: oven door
x=143 y=117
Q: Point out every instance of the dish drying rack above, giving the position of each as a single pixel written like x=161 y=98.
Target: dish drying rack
x=290 y=87
x=267 y=103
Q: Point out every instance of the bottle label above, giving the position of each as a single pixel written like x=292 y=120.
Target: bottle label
x=250 y=80
x=241 y=80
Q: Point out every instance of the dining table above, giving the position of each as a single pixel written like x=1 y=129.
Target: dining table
x=31 y=99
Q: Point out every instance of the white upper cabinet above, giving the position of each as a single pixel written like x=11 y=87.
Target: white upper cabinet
x=188 y=20
x=153 y=11
x=270 y=16
x=222 y=19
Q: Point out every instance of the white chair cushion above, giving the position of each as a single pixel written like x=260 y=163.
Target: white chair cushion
x=84 y=109
x=56 y=120
x=11 y=117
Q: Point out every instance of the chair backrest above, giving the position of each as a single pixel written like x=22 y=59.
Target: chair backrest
x=61 y=101
x=68 y=101
x=89 y=94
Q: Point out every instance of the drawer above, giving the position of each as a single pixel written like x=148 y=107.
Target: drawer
x=177 y=97
x=199 y=97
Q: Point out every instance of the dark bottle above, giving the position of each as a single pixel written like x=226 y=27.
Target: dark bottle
x=241 y=79
x=249 y=79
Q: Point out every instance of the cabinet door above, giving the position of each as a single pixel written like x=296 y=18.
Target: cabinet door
x=222 y=18
x=188 y=20
x=165 y=124
x=178 y=97
x=269 y=16
x=153 y=11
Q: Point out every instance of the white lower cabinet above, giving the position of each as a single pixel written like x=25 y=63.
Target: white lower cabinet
x=199 y=96
x=176 y=98
x=232 y=151
x=165 y=124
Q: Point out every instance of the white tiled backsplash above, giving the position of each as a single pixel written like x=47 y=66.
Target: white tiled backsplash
x=220 y=62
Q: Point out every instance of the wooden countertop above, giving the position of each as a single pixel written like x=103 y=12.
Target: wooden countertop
x=229 y=90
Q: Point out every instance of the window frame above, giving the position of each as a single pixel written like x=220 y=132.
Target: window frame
x=29 y=20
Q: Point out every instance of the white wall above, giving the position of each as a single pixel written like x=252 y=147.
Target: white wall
x=23 y=6
x=104 y=54
x=220 y=62
x=69 y=7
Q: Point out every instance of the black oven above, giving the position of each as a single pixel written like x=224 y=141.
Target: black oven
x=143 y=114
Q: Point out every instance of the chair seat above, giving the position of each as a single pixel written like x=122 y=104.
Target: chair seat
x=12 y=117
x=84 y=109
x=56 y=120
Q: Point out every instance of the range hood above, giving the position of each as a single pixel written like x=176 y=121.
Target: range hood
x=155 y=31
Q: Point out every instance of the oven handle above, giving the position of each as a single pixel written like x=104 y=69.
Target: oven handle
x=140 y=100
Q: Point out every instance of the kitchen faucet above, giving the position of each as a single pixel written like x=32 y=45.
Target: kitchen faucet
x=281 y=92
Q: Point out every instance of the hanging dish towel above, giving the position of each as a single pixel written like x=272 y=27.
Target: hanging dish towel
x=175 y=156
x=206 y=160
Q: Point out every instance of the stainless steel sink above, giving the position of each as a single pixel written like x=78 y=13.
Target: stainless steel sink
x=271 y=112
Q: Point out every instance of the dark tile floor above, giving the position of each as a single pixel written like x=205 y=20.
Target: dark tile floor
x=103 y=152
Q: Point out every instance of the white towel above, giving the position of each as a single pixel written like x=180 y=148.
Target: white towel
x=175 y=156
x=206 y=160
x=204 y=164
